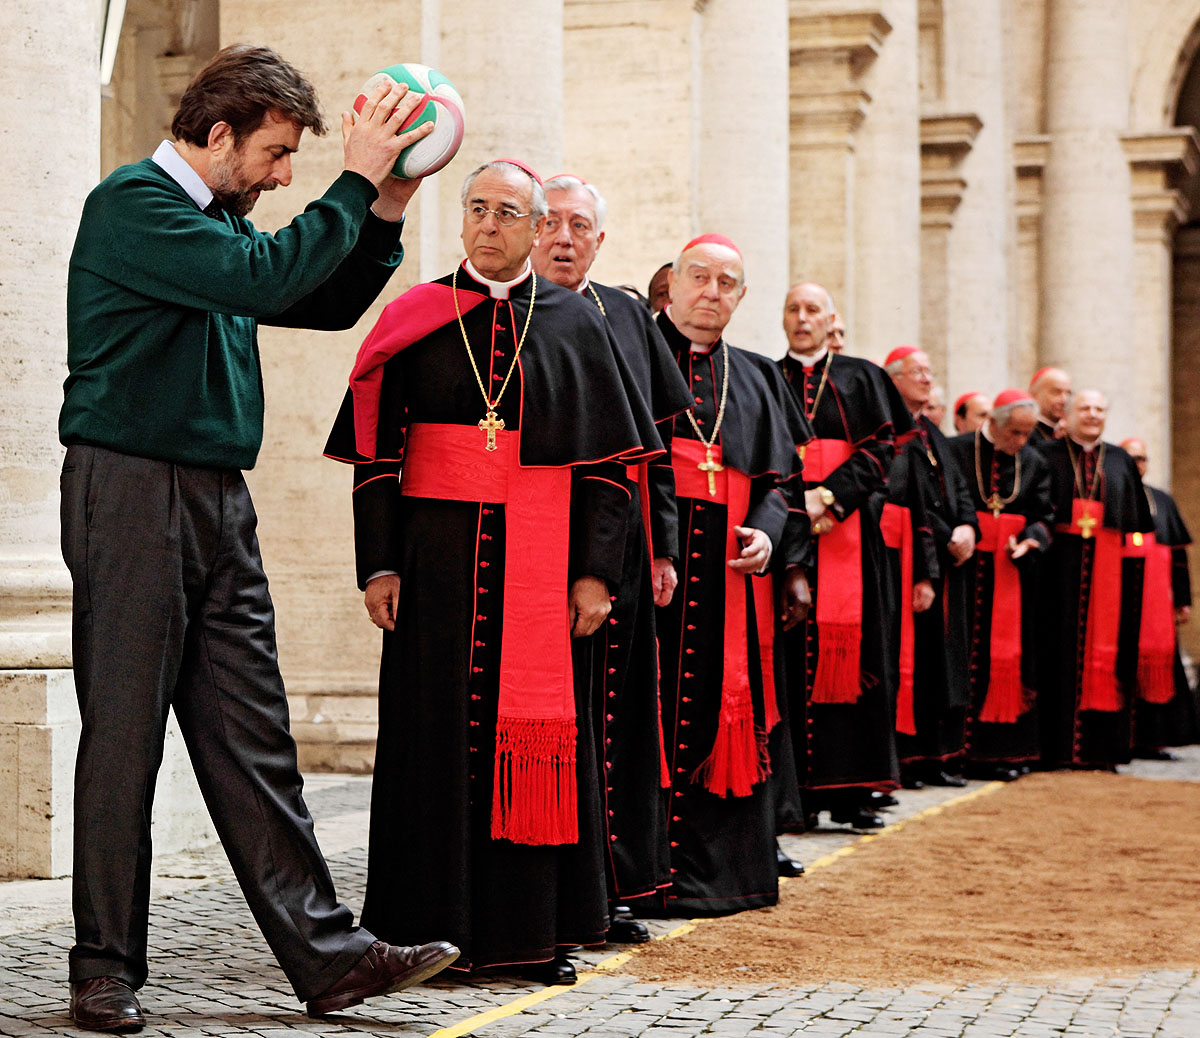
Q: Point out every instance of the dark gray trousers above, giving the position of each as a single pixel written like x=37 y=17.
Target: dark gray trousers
x=171 y=610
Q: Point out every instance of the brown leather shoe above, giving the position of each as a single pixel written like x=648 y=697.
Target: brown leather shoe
x=384 y=968
x=106 y=1004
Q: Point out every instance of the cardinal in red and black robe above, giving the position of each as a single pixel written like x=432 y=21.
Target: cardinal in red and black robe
x=486 y=809
x=1010 y=490
x=1090 y=595
x=719 y=675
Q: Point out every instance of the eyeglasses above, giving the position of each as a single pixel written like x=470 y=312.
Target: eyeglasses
x=504 y=217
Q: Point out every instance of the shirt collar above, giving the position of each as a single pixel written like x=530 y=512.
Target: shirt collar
x=983 y=431
x=168 y=159
x=808 y=361
x=1087 y=448
x=499 y=289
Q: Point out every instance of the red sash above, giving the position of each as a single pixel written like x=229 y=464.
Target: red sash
x=896 y=524
x=1099 y=690
x=739 y=756
x=1005 y=700
x=839 y=587
x=1156 y=635
x=535 y=797
x=639 y=473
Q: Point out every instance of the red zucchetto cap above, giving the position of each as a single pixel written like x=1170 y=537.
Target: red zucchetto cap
x=899 y=353
x=962 y=400
x=1011 y=396
x=521 y=165
x=712 y=239
x=1037 y=375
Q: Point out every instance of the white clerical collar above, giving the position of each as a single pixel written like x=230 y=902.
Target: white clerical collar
x=983 y=429
x=582 y=289
x=1087 y=448
x=178 y=169
x=499 y=289
x=809 y=360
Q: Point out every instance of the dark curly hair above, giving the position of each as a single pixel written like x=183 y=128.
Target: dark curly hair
x=239 y=86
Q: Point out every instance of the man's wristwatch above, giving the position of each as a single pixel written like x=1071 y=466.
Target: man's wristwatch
x=826 y=496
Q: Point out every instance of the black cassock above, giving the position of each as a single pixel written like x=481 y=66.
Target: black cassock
x=942 y=632
x=722 y=847
x=434 y=870
x=1072 y=734
x=628 y=730
x=1017 y=741
x=844 y=747
x=1176 y=723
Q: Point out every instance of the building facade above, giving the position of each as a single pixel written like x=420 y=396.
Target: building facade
x=1009 y=183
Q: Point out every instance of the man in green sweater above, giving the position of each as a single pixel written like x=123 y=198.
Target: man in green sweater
x=163 y=407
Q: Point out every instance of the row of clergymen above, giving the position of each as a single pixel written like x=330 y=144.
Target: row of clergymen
x=783 y=585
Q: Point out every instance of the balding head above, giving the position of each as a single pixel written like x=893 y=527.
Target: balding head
x=706 y=283
x=1051 y=388
x=1086 y=415
x=807 y=317
x=1136 y=449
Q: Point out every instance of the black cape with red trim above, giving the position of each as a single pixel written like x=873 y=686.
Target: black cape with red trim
x=434 y=870
x=723 y=848
x=1071 y=736
x=1176 y=723
x=844 y=750
x=1019 y=742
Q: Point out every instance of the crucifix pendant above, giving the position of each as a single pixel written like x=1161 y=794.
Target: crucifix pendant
x=995 y=505
x=711 y=467
x=489 y=425
x=1086 y=522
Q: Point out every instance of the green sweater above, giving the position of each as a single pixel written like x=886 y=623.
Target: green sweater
x=163 y=307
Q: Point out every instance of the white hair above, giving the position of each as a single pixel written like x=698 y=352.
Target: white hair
x=537 y=203
x=1003 y=415
x=566 y=182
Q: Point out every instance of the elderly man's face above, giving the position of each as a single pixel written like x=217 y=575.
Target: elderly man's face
x=914 y=380
x=567 y=245
x=498 y=252
x=807 y=318
x=1086 y=416
x=976 y=413
x=660 y=290
x=706 y=291
x=836 y=338
x=1012 y=436
x=1052 y=394
x=1137 y=451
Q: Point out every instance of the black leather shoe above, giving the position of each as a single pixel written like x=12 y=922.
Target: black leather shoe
x=911 y=782
x=944 y=778
x=787 y=867
x=1154 y=753
x=881 y=800
x=858 y=818
x=383 y=969
x=106 y=1004
x=1003 y=774
x=559 y=970
x=624 y=929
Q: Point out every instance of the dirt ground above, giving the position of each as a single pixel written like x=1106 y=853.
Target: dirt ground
x=1055 y=874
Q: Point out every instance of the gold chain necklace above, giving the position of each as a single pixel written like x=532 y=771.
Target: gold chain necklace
x=708 y=465
x=597 y=298
x=490 y=424
x=996 y=503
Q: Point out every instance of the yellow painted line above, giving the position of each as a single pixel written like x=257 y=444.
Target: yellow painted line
x=518 y=1005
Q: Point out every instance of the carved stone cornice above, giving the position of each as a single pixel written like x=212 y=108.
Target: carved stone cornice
x=852 y=38
x=945 y=141
x=1159 y=165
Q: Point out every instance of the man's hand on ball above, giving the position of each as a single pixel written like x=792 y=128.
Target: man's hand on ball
x=371 y=139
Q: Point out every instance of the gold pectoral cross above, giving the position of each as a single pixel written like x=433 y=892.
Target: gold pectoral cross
x=711 y=467
x=489 y=425
x=995 y=504
x=1086 y=522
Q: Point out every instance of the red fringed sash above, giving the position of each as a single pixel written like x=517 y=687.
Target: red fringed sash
x=1156 y=634
x=739 y=756
x=839 y=587
x=1005 y=700
x=896 y=524
x=1103 y=606
x=535 y=797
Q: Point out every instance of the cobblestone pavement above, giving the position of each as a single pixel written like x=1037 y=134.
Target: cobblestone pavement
x=211 y=974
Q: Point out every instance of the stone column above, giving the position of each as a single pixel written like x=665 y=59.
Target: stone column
x=1087 y=223
x=887 y=203
x=830 y=55
x=1185 y=399
x=742 y=153
x=39 y=722
x=1029 y=160
x=1159 y=163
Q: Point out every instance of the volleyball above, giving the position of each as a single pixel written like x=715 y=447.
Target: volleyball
x=442 y=106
